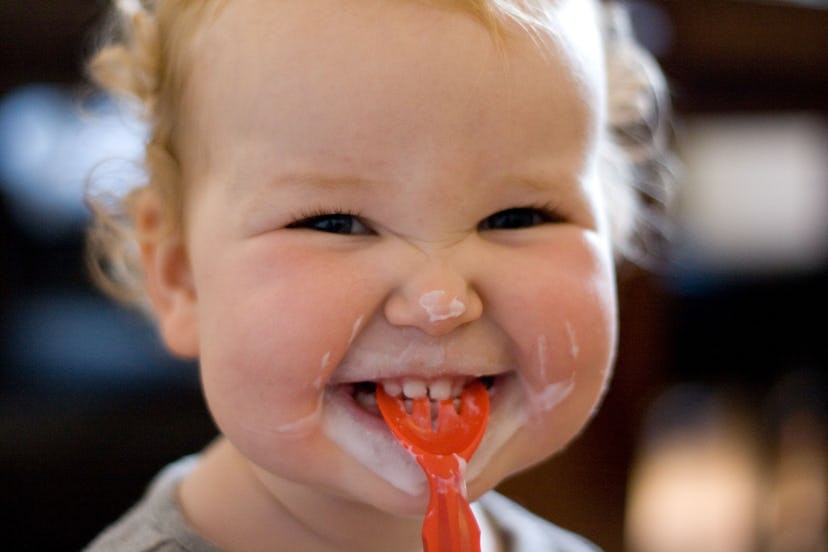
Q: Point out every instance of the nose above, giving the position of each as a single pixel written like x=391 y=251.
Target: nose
x=436 y=299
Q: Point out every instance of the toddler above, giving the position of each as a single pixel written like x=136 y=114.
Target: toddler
x=346 y=194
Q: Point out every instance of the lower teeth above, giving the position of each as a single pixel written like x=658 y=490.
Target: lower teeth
x=368 y=401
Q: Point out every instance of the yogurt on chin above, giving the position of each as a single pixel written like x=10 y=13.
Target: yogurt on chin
x=367 y=439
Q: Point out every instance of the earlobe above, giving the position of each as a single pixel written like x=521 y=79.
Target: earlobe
x=169 y=282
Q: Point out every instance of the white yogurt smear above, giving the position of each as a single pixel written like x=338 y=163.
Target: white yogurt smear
x=355 y=330
x=434 y=303
x=304 y=425
x=512 y=416
x=552 y=395
x=374 y=448
x=574 y=349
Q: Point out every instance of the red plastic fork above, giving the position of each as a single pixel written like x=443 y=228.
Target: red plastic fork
x=442 y=448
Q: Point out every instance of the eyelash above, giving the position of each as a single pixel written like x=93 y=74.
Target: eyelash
x=307 y=218
x=546 y=214
x=318 y=212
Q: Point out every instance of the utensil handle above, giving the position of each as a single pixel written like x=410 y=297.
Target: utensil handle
x=449 y=525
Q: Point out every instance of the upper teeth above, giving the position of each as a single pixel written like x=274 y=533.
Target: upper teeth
x=416 y=388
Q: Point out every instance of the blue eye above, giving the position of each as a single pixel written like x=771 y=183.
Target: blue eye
x=514 y=219
x=333 y=223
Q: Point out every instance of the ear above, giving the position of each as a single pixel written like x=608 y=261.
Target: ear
x=169 y=280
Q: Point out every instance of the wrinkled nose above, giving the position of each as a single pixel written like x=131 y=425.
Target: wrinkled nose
x=437 y=299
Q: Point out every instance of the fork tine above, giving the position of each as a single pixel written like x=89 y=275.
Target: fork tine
x=450 y=433
x=421 y=412
x=447 y=418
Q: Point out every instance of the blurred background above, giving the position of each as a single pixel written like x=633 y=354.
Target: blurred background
x=713 y=436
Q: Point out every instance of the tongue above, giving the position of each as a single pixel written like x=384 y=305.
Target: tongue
x=442 y=450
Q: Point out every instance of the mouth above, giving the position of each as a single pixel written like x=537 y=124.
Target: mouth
x=354 y=422
x=409 y=388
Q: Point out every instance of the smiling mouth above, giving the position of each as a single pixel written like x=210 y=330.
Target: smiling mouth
x=364 y=392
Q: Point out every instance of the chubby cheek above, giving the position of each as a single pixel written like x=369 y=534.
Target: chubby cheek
x=271 y=337
x=564 y=338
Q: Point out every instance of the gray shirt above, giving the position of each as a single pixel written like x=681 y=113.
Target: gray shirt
x=157 y=524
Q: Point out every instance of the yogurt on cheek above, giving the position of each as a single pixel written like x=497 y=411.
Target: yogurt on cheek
x=552 y=376
x=303 y=426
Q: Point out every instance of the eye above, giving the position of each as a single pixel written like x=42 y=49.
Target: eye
x=333 y=223
x=519 y=217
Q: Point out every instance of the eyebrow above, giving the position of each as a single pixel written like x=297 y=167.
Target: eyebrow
x=313 y=180
x=304 y=182
x=537 y=183
x=323 y=180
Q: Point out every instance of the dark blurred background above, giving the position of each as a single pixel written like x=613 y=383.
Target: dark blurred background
x=713 y=436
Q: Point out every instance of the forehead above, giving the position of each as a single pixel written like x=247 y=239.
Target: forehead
x=408 y=65
x=566 y=27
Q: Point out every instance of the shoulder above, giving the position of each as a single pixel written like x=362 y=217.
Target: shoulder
x=155 y=523
x=523 y=531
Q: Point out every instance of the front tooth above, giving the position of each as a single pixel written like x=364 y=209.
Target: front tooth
x=440 y=389
x=414 y=388
x=457 y=387
x=392 y=388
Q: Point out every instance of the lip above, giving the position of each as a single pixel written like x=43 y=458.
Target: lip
x=345 y=375
x=420 y=360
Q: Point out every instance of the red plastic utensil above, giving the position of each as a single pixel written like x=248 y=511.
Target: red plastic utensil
x=442 y=447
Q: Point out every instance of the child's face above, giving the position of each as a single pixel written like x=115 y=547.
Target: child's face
x=380 y=194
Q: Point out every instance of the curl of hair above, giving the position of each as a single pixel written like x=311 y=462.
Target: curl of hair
x=639 y=168
x=143 y=58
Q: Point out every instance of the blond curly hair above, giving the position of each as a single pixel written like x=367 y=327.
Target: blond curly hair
x=146 y=55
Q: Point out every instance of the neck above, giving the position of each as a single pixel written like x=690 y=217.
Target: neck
x=241 y=509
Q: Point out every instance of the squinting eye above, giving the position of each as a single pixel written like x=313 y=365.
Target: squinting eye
x=334 y=223
x=513 y=219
